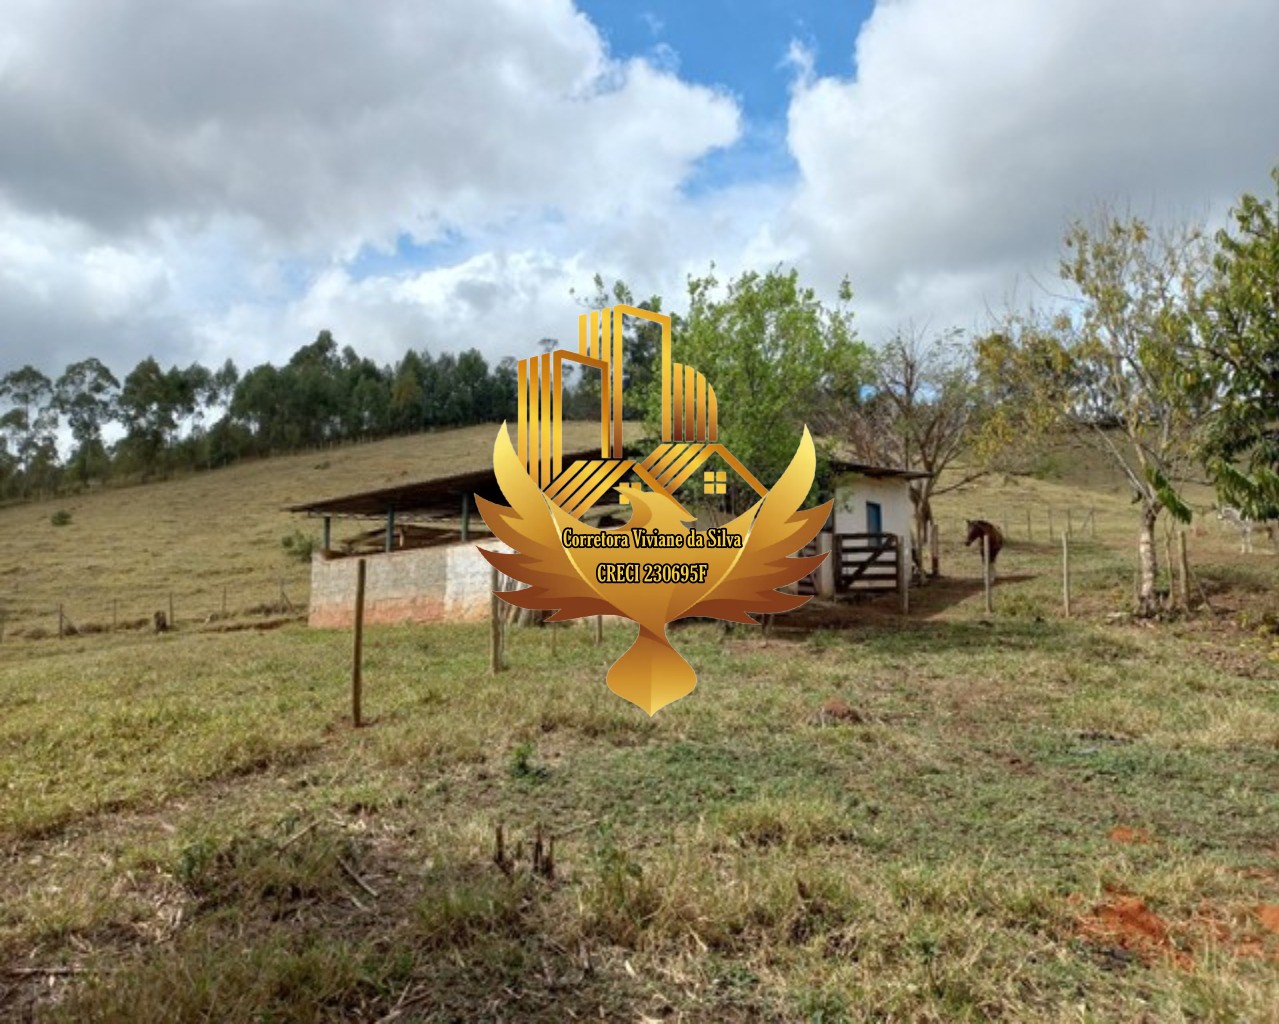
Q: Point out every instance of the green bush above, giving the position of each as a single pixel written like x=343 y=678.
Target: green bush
x=61 y=518
x=298 y=545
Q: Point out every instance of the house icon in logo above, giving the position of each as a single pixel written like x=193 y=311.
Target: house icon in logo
x=690 y=421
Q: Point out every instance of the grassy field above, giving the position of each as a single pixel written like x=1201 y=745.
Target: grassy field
x=205 y=537
x=1010 y=817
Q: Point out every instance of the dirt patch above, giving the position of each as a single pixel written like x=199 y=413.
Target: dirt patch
x=1123 y=927
x=1125 y=923
x=1129 y=836
x=836 y=710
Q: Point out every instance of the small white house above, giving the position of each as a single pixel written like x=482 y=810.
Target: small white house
x=869 y=530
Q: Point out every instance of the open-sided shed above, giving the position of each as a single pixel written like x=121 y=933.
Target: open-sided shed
x=426 y=568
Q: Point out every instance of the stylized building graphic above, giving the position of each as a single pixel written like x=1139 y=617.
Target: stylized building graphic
x=690 y=420
x=427 y=566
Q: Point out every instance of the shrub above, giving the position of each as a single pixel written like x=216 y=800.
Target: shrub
x=61 y=518
x=298 y=545
x=522 y=766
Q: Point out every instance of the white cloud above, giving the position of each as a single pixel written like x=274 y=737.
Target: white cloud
x=247 y=147
x=199 y=181
x=972 y=134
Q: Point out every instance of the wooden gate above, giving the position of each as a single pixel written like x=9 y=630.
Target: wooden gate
x=866 y=562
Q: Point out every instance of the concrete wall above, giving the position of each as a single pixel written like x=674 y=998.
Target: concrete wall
x=446 y=583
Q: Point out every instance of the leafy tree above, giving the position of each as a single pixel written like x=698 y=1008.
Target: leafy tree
x=222 y=385
x=29 y=424
x=313 y=393
x=921 y=410
x=193 y=391
x=1239 y=350
x=86 y=395
x=773 y=352
x=260 y=404
x=641 y=351
x=504 y=388
x=471 y=400
x=443 y=406
x=149 y=407
x=366 y=405
x=406 y=394
x=1115 y=372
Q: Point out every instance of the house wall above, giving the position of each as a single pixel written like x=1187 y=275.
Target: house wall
x=447 y=583
x=852 y=492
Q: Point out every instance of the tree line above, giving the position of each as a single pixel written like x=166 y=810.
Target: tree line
x=195 y=417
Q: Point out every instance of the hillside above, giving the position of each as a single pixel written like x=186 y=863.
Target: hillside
x=128 y=548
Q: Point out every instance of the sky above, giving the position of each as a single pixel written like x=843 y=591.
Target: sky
x=226 y=178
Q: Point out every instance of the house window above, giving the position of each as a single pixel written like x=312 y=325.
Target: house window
x=715 y=482
x=874 y=517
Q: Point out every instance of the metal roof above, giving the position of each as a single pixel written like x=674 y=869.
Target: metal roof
x=864 y=469
x=440 y=497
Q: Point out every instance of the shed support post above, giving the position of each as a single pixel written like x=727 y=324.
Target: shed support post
x=390 y=529
x=903 y=574
x=466 y=517
x=328 y=531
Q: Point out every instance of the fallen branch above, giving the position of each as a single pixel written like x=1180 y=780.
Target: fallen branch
x=577 y=828
x=39 y=972
x=298 y=835
x=350 y=872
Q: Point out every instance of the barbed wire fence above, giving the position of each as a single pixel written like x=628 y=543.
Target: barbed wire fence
x=244 y=603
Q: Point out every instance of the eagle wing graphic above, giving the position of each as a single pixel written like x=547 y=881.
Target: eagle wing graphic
x=538 y=557
x=774 y=529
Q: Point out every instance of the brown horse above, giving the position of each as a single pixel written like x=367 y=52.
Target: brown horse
x=979 y=528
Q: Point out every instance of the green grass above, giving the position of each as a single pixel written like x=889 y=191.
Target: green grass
x=190 y=830
x=167 y=799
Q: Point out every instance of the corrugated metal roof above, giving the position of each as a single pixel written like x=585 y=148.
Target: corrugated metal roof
x=840 y=466
x=439 y=497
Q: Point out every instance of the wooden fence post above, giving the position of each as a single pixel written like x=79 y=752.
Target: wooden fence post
x=903 y=578
x=985 y=561
x=357 y=656
x=1183 y=584
x=1065 y=574
x=495 y=626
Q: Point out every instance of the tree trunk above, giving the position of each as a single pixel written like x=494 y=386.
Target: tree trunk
x=924 y=525
x=1147 y=599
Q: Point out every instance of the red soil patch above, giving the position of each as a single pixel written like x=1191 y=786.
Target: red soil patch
x=1126 y=835
x=1125 y=922
x=836 y=710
